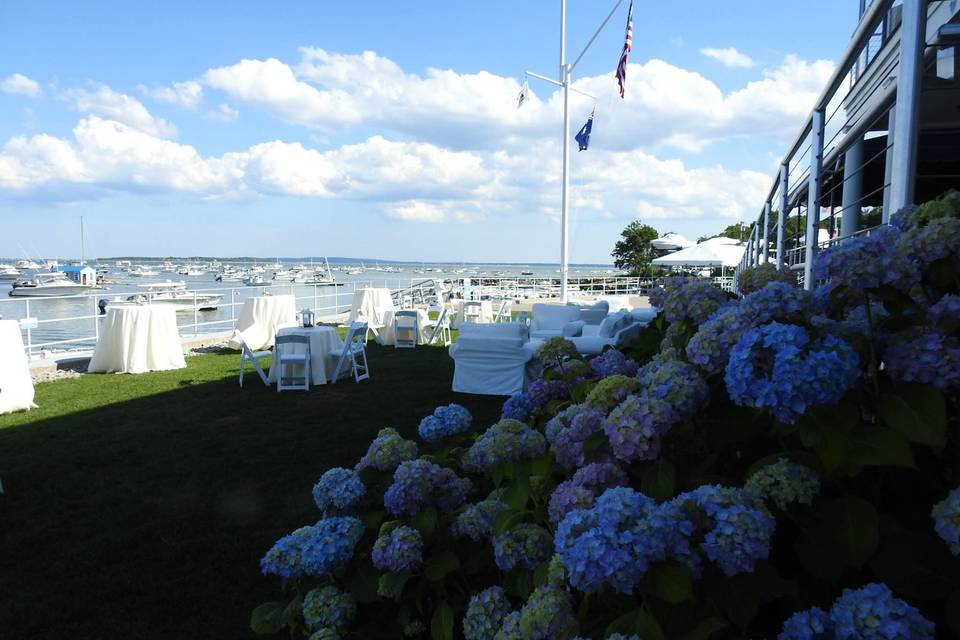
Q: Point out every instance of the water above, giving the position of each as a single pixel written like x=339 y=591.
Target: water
x=324 y=300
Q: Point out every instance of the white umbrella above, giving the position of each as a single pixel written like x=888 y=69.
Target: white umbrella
x=721 y=240
x=704 y=255
x=670 y=241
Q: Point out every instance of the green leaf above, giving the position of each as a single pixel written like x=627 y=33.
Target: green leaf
x=266 y=619
x=658 y=480
x=706 y=629
x=918 y=412
x=847 y=535
x=440 y=564
x=739 y=600
x=916 y=565
x=518 y=582
x=391 y=585
x=833 y=448
x=441 y=624
x=872 y=445
x=541 y=573
x=373 y=519
x=637 y=622
x=507 y=519
x=540 y=466
x=669 y=581
x=594 y=441
x=517 y=493
x=364 y=583
x=425 y=522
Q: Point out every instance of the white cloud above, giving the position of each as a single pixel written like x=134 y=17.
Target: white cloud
x=19 y=83
x=188 y=94
x=729 y=57
x=107 y=103
x=416 y=211
x=223 y=113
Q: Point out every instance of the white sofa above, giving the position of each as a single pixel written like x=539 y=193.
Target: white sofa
x=617 y=330
x=555 y=320
x=592 y=313
x=494 y=359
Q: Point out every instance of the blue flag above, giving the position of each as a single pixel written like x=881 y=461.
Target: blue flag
x=583 y=138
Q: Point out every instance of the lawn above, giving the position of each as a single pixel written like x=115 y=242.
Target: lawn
x=139 y=506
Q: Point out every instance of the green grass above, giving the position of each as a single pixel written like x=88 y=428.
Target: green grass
x=139 y=506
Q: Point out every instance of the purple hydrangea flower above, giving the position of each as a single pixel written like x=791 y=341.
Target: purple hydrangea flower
x=693 y=302
x=418 y=484
x=927 y=357
x=863 y=263
x=506 y=441
x=329 y=608
x=338 y=490
x=872 y=611
x=387 y=451
x=580 y=491
x=485 y=614
x=476 y=520
x=447 y=421
x=946 y=520
x=568 y=430
x=525 y=545
x=314 y=551
x=517 y=407
x=945 y=314
x=739 y=529
x=612 y=362
x=611 y=391
x=812 y=624
x=662 y=288
x=540 y=392
x=399 y=551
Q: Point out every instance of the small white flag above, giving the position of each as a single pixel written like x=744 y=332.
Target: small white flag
x=524 y=90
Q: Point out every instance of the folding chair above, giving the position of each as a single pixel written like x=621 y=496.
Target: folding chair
x=524 y=317
x=441 y=328
x=472 y=311
x=354 y=350
x=503 y=313
x=253 y=357
x=406 y=329
x=280 y=359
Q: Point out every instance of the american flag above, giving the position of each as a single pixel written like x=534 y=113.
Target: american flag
x=627 y=47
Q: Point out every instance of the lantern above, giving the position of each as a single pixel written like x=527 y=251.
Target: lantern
x=306 y=317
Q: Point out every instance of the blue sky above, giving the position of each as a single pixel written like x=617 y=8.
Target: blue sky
x=264 y=129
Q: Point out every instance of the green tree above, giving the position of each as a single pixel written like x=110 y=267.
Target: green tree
x=633 y=251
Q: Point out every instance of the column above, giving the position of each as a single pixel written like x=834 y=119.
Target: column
x=813 y=197
x=784 y=210
x=852 y=189
x=765 y=236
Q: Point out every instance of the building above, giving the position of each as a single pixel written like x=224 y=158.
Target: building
x=81 y=274
x=884 y=133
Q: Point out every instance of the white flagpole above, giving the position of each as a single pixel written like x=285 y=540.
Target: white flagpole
x=564 y=222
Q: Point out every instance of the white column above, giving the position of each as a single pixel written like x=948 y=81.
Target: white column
x=765 y=242
x=912 y=44
x=565 y=80
x=784 y=210
x=888 y=167
x=813 y=197
x=852 y=189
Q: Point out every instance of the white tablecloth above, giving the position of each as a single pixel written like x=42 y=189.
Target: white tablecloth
x=323 y=340
x=262 y=316
x=371 y=305
x=16 y=386
x=386 y=335
x=138 y=338
x=486 y=312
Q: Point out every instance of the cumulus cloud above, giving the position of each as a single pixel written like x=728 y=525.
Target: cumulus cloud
x=19 y=83
x=223 y=113
x=416 y=211
x=107 y=103
x=188 y=94
x=729 y=57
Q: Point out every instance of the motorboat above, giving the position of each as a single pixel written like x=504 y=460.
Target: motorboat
x=8 y=272
x=255 y=280
x=28 y=265
x=144 y=272
x=49 y=284
x=229 y=276
x=176 y=295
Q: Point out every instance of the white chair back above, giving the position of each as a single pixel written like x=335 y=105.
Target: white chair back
x=253 y=357
x=406 y=329
x=354 y=352
x=503 y=312
x=472 y=311
x=441 y=330
x=282 y=358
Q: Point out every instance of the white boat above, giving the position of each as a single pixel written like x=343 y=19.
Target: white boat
x=144 y=272
x=176 y=295
x=45 y=285
x=28 y=265
x=255 y=280
x=8 y=273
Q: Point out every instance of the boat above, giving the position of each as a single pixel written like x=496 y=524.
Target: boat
x=8 y=272
x=144 y=272
x=255 y=280
x=176 y=295
x=28 y=265
x=44 y=285
x=526 y=273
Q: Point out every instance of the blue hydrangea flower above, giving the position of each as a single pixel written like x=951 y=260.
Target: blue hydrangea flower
x=548 y=615
x=946 y=520
x=676 y=383
x=447 y=421
x=510 y=629
x=778 y=367
x=506 y=441
x=710 y=346
x=338 y=490
x=586 y=484
x=399 y=551
x=387 y=451
x=525 y=545
x=328 y=607
x=694 y=302
x=928 y=357
x=777 y=301
x=612 y=362
x=418 y=484
x=812 y=624
x=866 y=262
x=314 y=551
x=485 y=614
x=476 y=520
x=611 y=543
x=664 y=287
x=540 y=392
x=785 y=483
x=937 y=240
x=872 y=611
x=944 y=315
x=756 y=278
x=324 y=634
x=738 y=530
x=568 y=430
x=517 y=407
x=611 y=391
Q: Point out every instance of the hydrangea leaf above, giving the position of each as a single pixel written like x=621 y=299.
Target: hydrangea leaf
x=915 y=565
x=440 y=564
x=846 y=536
x=659 y=480
x=425 y=522
x=441 y=624
x=670 y=582
x=364 y=583
x=266 y=618
x=706 y=629
x=637 y=622
x=507 y=519
x=391 y=585
x=877 y=446
x=918 y=412
x=517 y=493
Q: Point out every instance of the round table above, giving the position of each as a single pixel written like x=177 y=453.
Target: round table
x=386 y=336
x=16 y=385
x=262 y=316
x=486 y=312
x=323 y=341
x=137 y=338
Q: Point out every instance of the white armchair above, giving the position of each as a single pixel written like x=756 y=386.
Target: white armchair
x=555 y=320
x=494 y=359
x=592 y=313
x=616 y=330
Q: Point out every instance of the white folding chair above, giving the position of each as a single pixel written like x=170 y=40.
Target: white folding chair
x=355 y=351
x=472 y=311
x=441 y=328
x=503 y=312
x=251 y=356
x=281 y=359
x=406 y=329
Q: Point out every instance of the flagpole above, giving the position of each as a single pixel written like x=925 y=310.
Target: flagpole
x=564 y=222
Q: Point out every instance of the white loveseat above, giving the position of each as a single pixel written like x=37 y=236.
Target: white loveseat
x=555 y=320
x=617 y=330
x=494 y=359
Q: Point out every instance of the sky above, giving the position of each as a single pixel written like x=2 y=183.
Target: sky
x=390 y=129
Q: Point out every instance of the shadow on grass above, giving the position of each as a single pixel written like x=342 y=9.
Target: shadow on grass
x=147 y=518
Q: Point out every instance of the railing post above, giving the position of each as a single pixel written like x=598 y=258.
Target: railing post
x=784 y=211
x=29 y=334
x=813 y=197
x=907 y=108
x=766 y=237
x=196 y=314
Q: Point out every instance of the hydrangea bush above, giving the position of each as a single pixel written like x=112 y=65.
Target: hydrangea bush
x=787 y=466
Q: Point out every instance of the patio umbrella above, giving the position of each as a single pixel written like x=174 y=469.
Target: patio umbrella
x=670 y=241
x=705 y=254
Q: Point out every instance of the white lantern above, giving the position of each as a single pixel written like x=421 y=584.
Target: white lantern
x=306 y=317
